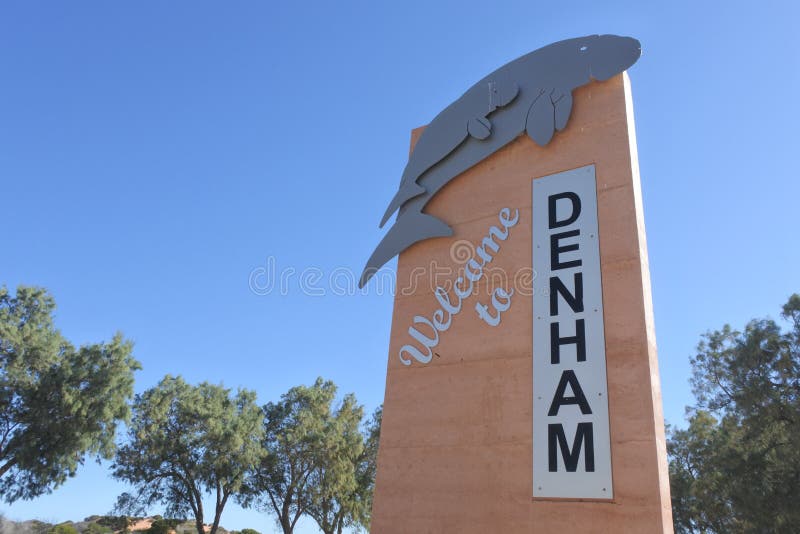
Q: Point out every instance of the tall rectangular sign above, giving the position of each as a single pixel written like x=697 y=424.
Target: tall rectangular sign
x=571 y=445
x=522 y=389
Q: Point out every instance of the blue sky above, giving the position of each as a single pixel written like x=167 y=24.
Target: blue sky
x=155 y=155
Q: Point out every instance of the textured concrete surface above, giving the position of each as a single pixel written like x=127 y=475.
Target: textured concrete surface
x=456 y=444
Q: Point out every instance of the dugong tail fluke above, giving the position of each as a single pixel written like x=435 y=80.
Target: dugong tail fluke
x=412 y=227
x=406 y=192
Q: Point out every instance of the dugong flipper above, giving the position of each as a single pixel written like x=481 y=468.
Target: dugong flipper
x=479 y=127
x=548 y=113
x=563 y=110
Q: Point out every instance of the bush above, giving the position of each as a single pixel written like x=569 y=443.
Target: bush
x=63 y=528
x=114 y=522
x=37 y=527
x=163 y=526
x=96 y=528
x=250 y=531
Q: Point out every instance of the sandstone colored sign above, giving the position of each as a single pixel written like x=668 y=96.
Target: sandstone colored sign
x=464 y=438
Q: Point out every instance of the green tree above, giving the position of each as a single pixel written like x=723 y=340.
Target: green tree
x=736 y=468
x=63 y=528
x=366 y=471
x=296 y=431
x=333 y=482
x=186 y=442
x=58 y=404
x=340 y=489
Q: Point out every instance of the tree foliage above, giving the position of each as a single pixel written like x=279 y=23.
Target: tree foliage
x=340 y=491
x=96 y=528
x=186 y=442
x=114 y=522
x=294 y=435
x=736 y=468
x=163 y=526
x=58 y=404
x=317 y=463
x=367 y=469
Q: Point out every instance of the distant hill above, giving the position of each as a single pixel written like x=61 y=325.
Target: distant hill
x=98 y=524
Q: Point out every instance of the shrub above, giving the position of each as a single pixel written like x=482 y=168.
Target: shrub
x=37 y=527
x=96 y=528
x=63 y=528
x=114 y=522
x=163 y=526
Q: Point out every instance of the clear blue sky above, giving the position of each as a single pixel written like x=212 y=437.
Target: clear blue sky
x=153 y=154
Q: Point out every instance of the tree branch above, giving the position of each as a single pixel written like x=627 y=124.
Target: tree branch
x=8 y=465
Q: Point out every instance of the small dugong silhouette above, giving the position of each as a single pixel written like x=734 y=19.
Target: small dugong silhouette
x=532 y=94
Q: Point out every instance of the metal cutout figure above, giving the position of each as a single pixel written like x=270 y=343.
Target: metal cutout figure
x=532 y=94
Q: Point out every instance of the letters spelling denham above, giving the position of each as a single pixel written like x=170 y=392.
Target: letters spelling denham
x=569 y=362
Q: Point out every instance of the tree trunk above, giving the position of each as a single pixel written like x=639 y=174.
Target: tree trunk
x=218 y=510
x=198 y=515
x=286 y=521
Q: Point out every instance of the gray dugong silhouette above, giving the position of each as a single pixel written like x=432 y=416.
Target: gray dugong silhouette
x=531 y=94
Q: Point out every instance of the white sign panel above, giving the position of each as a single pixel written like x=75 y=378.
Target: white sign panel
x=571 y=445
